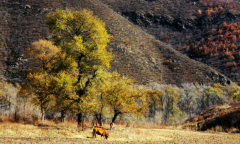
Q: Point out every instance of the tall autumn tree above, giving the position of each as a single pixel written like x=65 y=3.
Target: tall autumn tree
x=117 y=94
x=100 y=85
x=155 y=101
x=62 y=71
x=41 y=56
x=187 y=101
x=171 y=99
x=123 y=97
x=83 y=37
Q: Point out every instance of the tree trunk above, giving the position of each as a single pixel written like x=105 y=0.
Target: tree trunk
x=80 y=118
x=115 y=116
x=99 y=115
x=203 y=104
x=43 y=114
x=99 y=118
x=15 y=114
x=63 y=115
x=155 y=108
x=96 y=115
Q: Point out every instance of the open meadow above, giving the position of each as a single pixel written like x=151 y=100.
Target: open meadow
x=69 y=133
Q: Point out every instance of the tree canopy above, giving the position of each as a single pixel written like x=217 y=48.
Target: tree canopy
x=81 y=35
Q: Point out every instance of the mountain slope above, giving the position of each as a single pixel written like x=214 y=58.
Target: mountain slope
x=138 y=55
x=191 y=27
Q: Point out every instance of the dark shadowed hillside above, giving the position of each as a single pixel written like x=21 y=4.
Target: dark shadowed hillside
x=139 y=55
x=194 y=28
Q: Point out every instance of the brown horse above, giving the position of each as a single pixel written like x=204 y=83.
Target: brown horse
x=100 y=131
x=94 y=124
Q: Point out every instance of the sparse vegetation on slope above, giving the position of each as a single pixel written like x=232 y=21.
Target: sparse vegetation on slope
x=182 y=23
x=137 y=54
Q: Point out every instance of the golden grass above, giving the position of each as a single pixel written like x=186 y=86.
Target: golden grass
x=4 y=118
x=21 y=130
x=52 y=123
x=49 y=132
x=69 y=130
x=138 y=134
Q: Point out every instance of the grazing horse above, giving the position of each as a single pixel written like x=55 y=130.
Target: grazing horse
x=82 y=125
x=94 y=124
x=100 y=131
x=111 y=126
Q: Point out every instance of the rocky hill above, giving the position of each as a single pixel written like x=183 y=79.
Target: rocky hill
x=138 y=54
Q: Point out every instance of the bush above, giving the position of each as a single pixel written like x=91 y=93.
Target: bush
x=15 y=108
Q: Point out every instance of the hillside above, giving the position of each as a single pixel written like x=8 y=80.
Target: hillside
x=193 y=28
x=138 y=54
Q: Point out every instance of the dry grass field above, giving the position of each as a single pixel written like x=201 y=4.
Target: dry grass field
x=49 y=132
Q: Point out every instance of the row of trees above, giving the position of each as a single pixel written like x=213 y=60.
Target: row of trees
x=162 y=104
x=174 y=104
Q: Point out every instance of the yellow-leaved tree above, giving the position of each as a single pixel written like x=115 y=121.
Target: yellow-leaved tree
x=83 y=37
x=123 y=97
x=155 y=102
x=117 y=94
x=233 y=91
x=62 y=72
x=41 y=56
x=171 y=99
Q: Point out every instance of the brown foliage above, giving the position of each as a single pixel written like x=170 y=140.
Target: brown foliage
x=224 y=43
x=168 y=62
x=166 y=38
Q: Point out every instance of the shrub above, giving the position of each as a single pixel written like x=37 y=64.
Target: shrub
x=15 y=108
